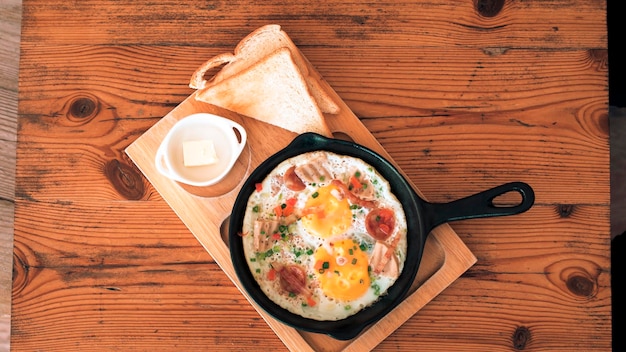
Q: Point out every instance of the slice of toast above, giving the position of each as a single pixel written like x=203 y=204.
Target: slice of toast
x=253 y=48
x=272 y=90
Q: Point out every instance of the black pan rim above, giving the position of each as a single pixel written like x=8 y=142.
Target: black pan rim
x=351 y=326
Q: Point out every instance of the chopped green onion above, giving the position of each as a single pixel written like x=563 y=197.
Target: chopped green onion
x=315 y=195
x=376 y=289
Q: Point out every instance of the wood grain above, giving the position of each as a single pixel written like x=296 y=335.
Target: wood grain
x=461 y=102
x=10 y=13
x=324 y=23
x=533 y=126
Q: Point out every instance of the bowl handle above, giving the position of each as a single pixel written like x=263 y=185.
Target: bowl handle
x=159 y=161
x=241 y=143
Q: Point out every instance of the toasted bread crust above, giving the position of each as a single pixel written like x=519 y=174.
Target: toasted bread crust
x=253 y=48
x=272 y=90
x=198 y=81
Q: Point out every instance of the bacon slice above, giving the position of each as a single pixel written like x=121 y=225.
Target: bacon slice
x=293 y=279
x=263 y=229
x=353 y=198
x=383 y=260
x=292 y=181
x=314 y=171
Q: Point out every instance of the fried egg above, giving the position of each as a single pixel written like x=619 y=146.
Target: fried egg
x=324 y=236
x=326 y=215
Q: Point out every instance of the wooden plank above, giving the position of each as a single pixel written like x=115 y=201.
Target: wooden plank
x=463 y=80
x=580 y=24
x=85 y=284
x=509 y=126
x=10 y=13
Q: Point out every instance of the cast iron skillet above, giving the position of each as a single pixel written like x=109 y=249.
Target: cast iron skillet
x=421 y=217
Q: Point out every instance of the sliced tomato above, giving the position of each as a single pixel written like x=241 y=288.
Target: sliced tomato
x=380 y=223
x=292 y=181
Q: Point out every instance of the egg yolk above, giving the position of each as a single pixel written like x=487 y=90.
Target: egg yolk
x=343 y=274
x=326 y=215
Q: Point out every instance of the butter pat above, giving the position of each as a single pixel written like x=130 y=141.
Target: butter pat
x=199 y=153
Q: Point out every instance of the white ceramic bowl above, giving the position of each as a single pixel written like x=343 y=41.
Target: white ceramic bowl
x=228 y=138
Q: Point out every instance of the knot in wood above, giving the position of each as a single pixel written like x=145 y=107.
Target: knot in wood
x=580 y=285
x=83 y=107
x=600 y=56
x=126 y=180
x=488 y=8
x=565 y=210
x=21 y=270
x=521 y=337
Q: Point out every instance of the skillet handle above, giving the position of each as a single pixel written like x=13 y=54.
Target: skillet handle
x=479 y=205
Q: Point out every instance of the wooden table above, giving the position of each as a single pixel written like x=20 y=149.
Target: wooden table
x=463 y=96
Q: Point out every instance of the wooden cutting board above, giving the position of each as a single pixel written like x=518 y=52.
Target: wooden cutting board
x=205 y=212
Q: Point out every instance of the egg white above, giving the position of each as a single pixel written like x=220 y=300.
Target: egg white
x=300 y=247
